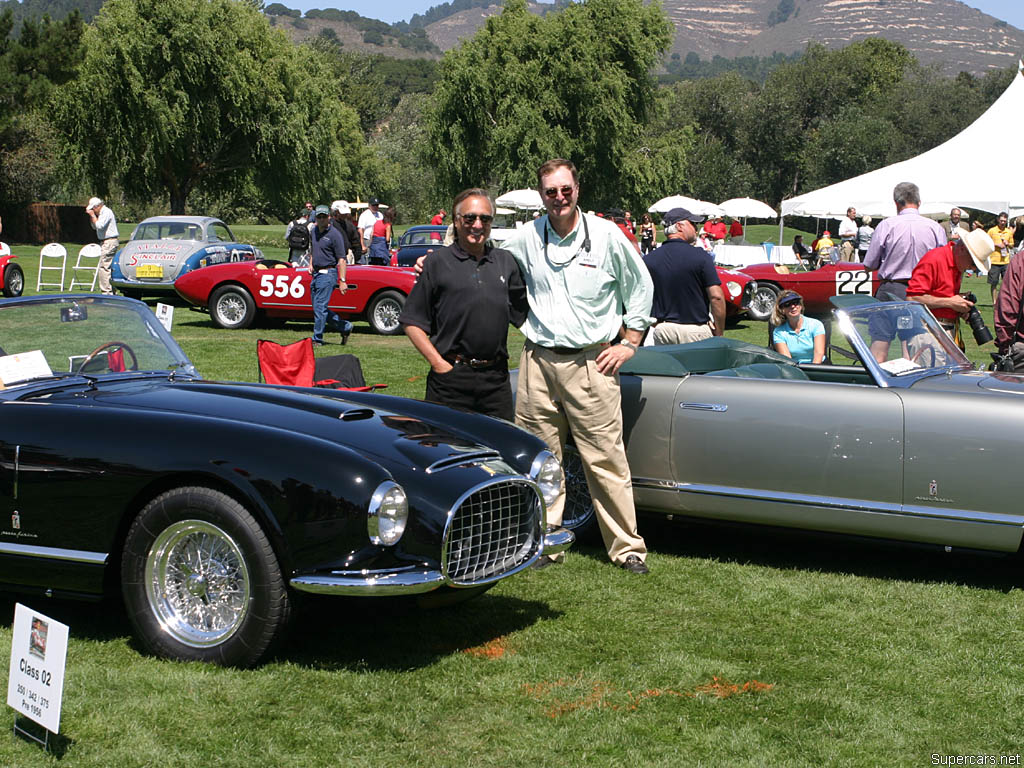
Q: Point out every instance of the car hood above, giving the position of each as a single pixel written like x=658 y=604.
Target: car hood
x=971 y=381
x=366 y=427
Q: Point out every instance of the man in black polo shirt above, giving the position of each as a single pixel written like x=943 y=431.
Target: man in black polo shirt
x=327 y=267
x=458 y=313
x=686 y=284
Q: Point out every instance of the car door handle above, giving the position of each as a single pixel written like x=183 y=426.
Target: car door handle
x=705 y=407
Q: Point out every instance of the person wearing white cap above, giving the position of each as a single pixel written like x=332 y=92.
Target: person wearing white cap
x=341 y=218
x=935 y=281
x=104 y=222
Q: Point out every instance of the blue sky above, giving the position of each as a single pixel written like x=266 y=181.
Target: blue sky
x=1011 y=11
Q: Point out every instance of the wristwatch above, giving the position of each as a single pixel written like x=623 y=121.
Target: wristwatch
x=628 y=343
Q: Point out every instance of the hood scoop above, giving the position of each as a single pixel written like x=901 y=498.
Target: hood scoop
x=357 y=414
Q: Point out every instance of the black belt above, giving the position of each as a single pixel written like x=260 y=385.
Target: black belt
x=472 y=362
x=905 y=281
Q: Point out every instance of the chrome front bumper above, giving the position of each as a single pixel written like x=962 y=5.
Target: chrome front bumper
x=412 y=582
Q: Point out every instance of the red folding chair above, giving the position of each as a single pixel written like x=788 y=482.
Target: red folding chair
x=296 y=365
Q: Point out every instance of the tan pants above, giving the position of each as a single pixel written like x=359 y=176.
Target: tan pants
x=680 y=333
x=847 y=251
x=560 y=393
x=107 y=250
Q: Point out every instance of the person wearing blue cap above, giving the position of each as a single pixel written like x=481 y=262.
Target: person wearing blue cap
x=687 y=289
x=327 y=267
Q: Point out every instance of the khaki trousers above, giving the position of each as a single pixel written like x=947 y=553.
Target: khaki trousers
x=562 y=393
x=107 y=250
x=680 y=333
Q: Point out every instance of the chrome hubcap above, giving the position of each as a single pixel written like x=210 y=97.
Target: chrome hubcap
x=197 y=583
x=386 y=315
x=231 y=309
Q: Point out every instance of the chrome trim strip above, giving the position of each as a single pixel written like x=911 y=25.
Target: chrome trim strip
x=812 y=500
x=716 y=407
x=467 y=459
x=359 y=583
x=17 y=463
x=54 y=553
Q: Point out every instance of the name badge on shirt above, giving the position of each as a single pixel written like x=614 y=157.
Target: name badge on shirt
x=587 y=260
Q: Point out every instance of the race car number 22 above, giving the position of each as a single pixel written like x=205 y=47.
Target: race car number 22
x=853 y=281
x=281 y=286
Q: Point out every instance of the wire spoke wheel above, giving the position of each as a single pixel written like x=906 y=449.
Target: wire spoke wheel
x=197 y=583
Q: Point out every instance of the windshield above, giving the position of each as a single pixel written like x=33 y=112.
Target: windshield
x=168 y=230
x=902 y=338
x=45 y=337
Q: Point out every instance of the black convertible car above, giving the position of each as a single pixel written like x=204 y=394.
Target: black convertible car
x=208 y=504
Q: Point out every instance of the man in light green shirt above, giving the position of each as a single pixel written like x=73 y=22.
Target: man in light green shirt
x=590 y=300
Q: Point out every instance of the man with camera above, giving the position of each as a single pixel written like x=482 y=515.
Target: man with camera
x=1009 y=315
x=935 y=281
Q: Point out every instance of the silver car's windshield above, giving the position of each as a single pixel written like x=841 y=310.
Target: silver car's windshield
x=901 y=338
x=54 y=336
x=168 y=230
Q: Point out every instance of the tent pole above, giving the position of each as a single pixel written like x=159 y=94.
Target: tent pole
x=782 y=218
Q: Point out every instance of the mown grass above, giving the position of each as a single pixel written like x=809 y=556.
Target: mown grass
x=742 y=648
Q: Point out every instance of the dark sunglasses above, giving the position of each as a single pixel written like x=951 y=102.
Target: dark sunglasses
x=469 y=218
x=789 y=303
x=554 y=191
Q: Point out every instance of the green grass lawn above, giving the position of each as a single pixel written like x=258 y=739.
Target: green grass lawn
x=741 y=648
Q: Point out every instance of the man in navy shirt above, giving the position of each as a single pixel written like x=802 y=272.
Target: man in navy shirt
x=686 y=284
x=327 y=266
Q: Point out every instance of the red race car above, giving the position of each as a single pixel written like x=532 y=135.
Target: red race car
x=738 y=289
x=235 y=293
x=12 y=278
x=815 y=286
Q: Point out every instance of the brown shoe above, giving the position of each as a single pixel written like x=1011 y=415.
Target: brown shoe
x=634 y=564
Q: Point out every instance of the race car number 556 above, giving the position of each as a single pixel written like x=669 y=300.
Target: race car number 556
x=278 y=285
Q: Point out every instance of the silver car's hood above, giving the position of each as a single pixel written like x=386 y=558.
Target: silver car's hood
x=972 y=382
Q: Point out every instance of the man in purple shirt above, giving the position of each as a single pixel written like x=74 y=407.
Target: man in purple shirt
x=899 y=243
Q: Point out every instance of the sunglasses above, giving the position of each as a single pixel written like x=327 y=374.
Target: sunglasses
x=470 y=218
x=790 y=303
x=553 y=192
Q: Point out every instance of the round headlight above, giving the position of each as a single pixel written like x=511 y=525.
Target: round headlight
x=733 y=288
x=546 y=472
x=388 y=514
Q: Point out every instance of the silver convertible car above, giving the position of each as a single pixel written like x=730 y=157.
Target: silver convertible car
x=905 y=441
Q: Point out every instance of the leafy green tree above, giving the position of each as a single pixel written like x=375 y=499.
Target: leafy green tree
x=176 y=95
x=575 y=83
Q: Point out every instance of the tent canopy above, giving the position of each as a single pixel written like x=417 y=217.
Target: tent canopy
x=699 y=207
x=950 y=171
x=748 y=208
x=528 y=199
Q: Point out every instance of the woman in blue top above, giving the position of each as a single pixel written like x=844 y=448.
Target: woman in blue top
x=797 y=336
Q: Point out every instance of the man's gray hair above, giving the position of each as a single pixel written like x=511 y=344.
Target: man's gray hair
x=906 y=192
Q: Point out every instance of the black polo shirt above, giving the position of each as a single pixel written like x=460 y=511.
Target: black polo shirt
x=328 y=247
x=465 y=305
x=681 y=274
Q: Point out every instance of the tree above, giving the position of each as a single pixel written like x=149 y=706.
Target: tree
x=575 y=83
x=203 y=93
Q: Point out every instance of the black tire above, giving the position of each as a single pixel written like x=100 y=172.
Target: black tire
x=578 y=515
x=383 y=312
x=762 y=301
x=14 y=281
x=232 y=307
x=228 y=607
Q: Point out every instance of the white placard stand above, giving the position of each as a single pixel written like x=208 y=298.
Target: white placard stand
x=35 y=682
x=165 y=314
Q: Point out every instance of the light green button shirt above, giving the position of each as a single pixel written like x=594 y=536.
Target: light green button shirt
x=578 y=297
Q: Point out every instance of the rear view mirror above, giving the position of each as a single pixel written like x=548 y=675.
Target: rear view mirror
x=73 y=314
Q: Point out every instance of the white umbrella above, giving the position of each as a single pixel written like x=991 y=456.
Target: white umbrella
x=521 y=198
x=700 y=207
x=748 y=208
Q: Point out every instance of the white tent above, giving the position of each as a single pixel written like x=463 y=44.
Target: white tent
x=528 y=199
x=746 y=207
x=699 y=207
x=961 y=170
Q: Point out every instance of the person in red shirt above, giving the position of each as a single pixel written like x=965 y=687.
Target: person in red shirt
x=437 y=221
x=735 y=231
x=935 y=281
x=715 y=227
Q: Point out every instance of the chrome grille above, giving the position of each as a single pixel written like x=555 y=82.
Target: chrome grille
x=494 y=529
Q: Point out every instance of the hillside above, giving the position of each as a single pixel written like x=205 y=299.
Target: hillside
x=947 y=32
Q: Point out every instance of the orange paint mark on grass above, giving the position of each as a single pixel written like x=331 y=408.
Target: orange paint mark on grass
x=602 y=695
x=492 y=649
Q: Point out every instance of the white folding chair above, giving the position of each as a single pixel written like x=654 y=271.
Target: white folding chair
x=48 y=258
x=91 y=253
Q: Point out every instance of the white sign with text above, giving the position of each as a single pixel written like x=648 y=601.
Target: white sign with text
x=165 y=314
x=35 y=683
